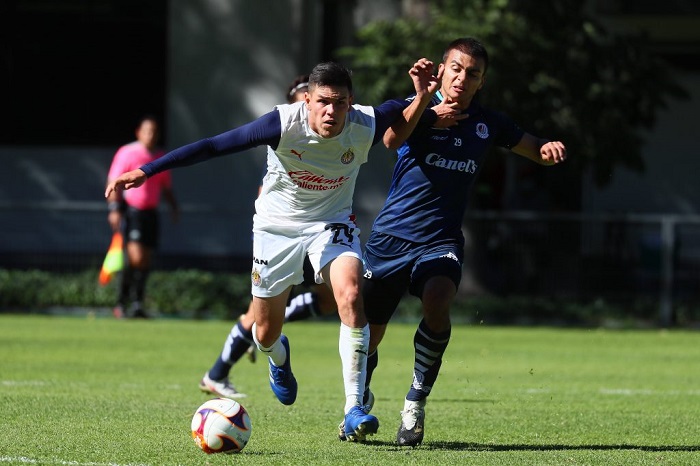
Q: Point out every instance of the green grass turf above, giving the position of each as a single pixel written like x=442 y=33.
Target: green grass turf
x=96 y=391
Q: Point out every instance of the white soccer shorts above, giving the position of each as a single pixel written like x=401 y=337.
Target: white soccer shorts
x=279 y=252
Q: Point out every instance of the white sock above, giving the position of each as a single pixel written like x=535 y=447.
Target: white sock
x=276 y=353
x=353 y=345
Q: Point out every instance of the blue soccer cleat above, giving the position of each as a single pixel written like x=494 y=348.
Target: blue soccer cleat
x=282 y=381
x=359 y=424
x=368 y=404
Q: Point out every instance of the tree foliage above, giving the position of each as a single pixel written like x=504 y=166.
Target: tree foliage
x=555 y=69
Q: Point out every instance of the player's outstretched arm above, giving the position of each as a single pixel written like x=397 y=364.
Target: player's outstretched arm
x=541 y=151
x=425 y=85
x=128 y=180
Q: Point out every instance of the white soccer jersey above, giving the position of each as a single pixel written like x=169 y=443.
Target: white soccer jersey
x=310 y=178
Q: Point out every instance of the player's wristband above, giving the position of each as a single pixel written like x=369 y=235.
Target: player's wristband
x=114 y=206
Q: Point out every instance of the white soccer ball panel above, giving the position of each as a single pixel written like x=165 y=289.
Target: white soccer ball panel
x=221 y=425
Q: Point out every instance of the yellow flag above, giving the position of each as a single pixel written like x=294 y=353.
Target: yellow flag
x=114 y=260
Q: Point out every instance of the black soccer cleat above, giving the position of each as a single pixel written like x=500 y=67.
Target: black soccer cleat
x=411 y=430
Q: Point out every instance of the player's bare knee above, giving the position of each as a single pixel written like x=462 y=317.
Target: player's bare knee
x=348 y=298
x=437 y=299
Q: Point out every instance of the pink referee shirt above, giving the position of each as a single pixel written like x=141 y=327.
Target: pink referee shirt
x=130 y=157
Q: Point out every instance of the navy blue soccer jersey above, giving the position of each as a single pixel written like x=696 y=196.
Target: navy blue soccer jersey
x=435 y=171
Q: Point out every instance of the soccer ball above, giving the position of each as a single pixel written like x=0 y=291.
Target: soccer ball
x=221 y=425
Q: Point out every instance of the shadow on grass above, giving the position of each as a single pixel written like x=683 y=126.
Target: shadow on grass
x=470 y=446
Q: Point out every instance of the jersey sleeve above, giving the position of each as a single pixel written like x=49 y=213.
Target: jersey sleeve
x=266 y=130
x=385 y=116
x=509 y=133
x=388 y=112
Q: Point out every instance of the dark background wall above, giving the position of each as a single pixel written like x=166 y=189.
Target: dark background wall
x=76 y=75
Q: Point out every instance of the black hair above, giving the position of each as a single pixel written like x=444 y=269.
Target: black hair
x=469 y=46
x=330 y=74
x=148 y=117
x=300 y=83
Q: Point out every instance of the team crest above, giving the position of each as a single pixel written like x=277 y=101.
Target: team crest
x=418 y=380
x=347 y=157
x=482 y=130
x=255 y=277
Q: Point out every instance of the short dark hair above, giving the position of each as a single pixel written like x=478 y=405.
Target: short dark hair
x=330 y=74
x=148 y=117
x=469 y=46
x=300 y=83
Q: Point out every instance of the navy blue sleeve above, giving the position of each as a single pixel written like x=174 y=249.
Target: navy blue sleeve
x=509 y=133
x=388 y=112
x=266 y=130
x=385 y=115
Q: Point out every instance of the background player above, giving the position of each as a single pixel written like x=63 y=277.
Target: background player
x=136 y=211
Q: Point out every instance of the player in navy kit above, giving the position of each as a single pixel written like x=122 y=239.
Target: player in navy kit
x=315 y=150
x=416 y=243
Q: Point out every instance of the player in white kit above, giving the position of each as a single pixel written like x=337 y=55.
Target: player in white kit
x=315 y=150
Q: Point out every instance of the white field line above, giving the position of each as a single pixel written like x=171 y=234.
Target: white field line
x=625 y=392
x=647 y=392
x=41 y=383
x=23 y=383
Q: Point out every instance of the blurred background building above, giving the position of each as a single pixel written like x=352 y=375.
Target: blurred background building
x=75 y=76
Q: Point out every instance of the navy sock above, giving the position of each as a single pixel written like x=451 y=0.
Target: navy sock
x=237 y=343
x=301 y=307
x=372 y=362
x=429 y=347
x=220 y=369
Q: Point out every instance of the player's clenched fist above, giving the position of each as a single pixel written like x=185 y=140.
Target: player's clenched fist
x=553 y=152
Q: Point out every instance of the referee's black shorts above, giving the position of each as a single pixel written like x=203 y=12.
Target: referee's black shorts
x=142 y=226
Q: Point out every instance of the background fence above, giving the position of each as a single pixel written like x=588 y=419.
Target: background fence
x=630 y=260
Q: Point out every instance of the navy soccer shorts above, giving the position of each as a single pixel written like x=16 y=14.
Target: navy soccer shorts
x=393 y=266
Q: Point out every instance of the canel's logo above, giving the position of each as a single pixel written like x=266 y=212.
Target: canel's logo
x=466 y=166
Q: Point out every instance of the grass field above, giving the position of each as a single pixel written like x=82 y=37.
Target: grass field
x=96 y=391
